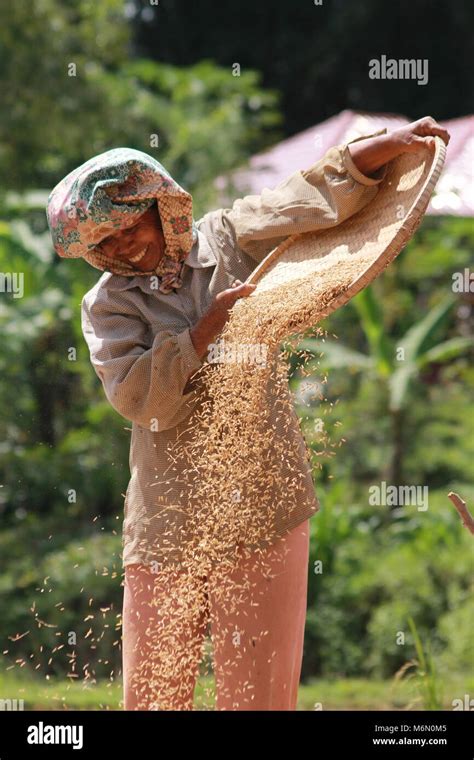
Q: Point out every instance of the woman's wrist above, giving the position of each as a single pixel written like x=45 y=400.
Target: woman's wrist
x=207 y=328
x=417 y=136
x=371 y=154
x=213 y=321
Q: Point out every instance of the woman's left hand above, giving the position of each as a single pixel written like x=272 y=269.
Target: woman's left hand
x=369 y=155
x=419 y=134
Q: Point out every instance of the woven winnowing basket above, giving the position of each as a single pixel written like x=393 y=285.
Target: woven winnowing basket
x=373 y=236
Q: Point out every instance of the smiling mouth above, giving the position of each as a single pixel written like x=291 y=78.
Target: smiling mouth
x=139 y=256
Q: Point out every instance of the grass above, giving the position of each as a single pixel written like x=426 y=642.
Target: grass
x=331 y=694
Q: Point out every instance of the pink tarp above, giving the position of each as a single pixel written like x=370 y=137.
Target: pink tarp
x=455 y=189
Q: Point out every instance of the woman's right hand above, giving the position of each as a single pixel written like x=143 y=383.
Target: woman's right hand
x=213 y=321
x=224 y=301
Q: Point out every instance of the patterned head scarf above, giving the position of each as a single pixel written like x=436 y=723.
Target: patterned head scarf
x=109 y=193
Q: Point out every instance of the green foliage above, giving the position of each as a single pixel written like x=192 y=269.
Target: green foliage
x=382 y=567
x=42 y=95
x=64 y=451
x=377 y=571
x=61 y=598
x=205 y=120
x=418 y=347
x=425 y=674
x=394 y=369
x=455 y=627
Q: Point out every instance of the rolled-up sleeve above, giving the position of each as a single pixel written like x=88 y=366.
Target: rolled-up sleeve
x=324 y=195
x=144 y=383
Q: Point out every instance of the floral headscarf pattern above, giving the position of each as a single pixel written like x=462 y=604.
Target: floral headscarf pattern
x=109 y=193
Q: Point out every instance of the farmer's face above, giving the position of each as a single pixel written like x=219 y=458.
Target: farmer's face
x=142 y=245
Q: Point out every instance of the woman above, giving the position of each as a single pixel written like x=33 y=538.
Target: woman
x=166 y=295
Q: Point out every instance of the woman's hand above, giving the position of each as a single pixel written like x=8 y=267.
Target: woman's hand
x=206 y=330
x=369 y=155
x=419 y=134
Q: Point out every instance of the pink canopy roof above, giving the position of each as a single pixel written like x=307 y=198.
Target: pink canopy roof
x=454 y=193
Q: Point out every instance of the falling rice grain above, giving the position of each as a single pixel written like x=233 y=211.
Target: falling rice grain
x=234 y=449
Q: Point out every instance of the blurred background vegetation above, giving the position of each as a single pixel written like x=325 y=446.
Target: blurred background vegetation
x=142 y=71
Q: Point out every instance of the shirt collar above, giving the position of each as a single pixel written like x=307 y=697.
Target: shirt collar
x=199 y=257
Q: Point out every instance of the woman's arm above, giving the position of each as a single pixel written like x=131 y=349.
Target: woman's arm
x=326 y=194
x=373 y=153
x=322 y=196
x=151 y=385
x=144 y=380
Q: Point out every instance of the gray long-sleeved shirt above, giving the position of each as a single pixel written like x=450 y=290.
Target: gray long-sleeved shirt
x=141 y=349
